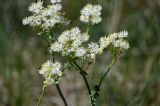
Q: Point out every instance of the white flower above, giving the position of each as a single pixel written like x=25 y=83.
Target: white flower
x=93 y=50
x=56 y=47
x=55 y=1
x=56 y=7
x=57 y=69
x=121 y=44
x=32 y=20
x=70 y=41
x=63 y=38
x=49 y=81
x=80 y=52
x=51 y=72
x=45 y=18
x=91 y=14
x=122 y=34
x=93 y=47
x=84 y=37
x=115 y=39
x=104 y=42
x=85 y=19
x=28 y=20
x=36 y=7
x=96 y=20
x=37 y=20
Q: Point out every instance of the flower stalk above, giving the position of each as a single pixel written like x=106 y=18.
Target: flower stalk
x=100 y=83
x=61 y=95
x=41 y=96
x=57 y=86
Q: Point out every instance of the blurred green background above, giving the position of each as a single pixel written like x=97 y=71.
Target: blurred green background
x=133 y=81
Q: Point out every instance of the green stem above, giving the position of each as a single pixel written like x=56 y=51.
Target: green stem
x=41 y=96
x=97 y=87
x=88 y=29
x=57 y=86
x=61 y=95
x=84 y=77
x=52 y=57
x=66 y=66
x=100 y=83
x=86 y=82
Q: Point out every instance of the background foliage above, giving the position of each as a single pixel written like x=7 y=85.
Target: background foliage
x=133 y=81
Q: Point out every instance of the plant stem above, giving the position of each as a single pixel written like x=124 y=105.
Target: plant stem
x=57 y=86
x=52 y=57
x=97 y=87
x=88 y=29
x=61 y=95
x=41 y=96
x=84 y=77
x=100 y=83
x=86 y=82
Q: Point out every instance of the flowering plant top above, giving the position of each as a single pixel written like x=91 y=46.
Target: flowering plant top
x=73 y=44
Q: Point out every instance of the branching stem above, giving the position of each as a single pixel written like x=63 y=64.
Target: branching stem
x=86 y=82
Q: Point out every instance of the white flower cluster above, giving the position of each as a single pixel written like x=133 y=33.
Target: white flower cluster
x=70 y=42
x=90 y=14
x=36 y=7
x=51 y=72
x=80 y=52
x=115 y=39
x=93 y=50
x=45 y=18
